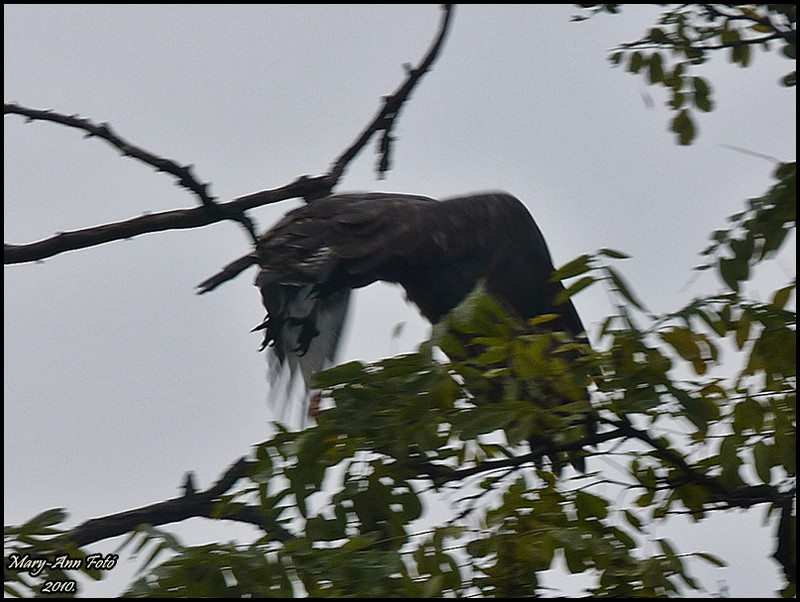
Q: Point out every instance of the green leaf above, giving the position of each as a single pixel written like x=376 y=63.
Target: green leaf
x=730 y=461
x=573 y=289
x=622 y=287
x=748 y=415
x=655 y=68
x=683 y=340
x=716 y=324
x=542 y=319
x=636 y=62
x=683 y=125
x=733 y=271
x=614 y=254
x=730 y=36
x=781 y=296
x=575 y=558
x=743 y=330
x=702 y=94
x=646 y=499
x=699 y=410
x=576 y=267
x=590 y=506
x=344 y=373
x=657 y=36
x=666 y=548
x=45 y=519
x=633 y=520
x=318 y=528
x=742 y=55
x=711 y=558
x=763 y=461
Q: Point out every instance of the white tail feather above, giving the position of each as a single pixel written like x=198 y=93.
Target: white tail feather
x=284 y=376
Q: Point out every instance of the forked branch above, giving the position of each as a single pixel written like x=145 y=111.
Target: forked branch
x=210 y=211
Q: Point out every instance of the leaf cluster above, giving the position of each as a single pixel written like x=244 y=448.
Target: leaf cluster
x=756 y=233
x=685 y=37
x=40 y=538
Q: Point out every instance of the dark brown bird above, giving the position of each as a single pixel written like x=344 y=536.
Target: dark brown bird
x=436 y=250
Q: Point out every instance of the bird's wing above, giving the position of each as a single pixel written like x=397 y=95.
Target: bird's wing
x=437 y=250
x=355 y=232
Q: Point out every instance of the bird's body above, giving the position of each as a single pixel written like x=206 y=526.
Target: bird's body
x=437 y=250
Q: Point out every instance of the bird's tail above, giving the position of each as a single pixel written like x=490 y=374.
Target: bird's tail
x=302 y=331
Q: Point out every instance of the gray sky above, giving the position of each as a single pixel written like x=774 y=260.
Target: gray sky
x=118 y=379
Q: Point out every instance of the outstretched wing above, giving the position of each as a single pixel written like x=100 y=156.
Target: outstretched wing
x=439 y=250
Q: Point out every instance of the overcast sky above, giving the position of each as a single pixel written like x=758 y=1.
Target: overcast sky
x=118 y=379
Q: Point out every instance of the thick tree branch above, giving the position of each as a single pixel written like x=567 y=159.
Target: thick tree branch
x=192 y=504
x=205 y=503
x=211 y=212
x=176 y=219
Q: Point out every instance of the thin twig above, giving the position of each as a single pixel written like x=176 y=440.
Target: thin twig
x=183 y=173
x=443 y=474
x=385 y=119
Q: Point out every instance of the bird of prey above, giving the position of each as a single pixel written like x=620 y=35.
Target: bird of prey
x=436 y=250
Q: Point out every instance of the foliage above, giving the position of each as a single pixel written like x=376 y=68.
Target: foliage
x=38 y=539
x=758 y=232
x=685 y=37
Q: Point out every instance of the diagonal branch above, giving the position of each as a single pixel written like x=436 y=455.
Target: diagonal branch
x=206 y=503
x=192 y=504
x=186 y=178
x=385 y=119
x=210 y=212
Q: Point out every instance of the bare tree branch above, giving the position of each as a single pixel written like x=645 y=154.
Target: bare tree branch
x=186 y=178
x=176 y=219
x=192 y=504
x=385 y=119
x=211 y=212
